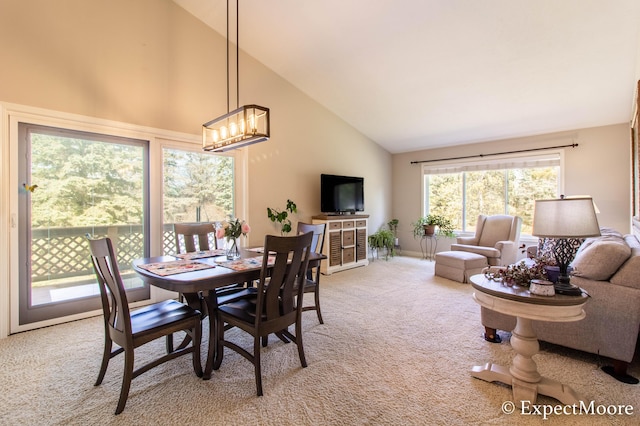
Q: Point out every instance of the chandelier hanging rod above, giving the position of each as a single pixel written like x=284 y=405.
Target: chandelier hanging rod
x=243 y=126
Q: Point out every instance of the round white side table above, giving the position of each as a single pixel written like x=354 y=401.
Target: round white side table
x=523 y=375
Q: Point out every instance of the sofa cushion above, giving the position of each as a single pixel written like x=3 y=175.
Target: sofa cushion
x=483 y=251
x=629 y=273
x=600 y=257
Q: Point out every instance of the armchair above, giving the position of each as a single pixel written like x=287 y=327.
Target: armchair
x=496 y=238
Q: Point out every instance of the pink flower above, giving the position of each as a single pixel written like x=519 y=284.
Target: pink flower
x=245 y=228
x=219 y=233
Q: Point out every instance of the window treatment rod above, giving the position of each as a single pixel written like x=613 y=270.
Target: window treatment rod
x=573 y=145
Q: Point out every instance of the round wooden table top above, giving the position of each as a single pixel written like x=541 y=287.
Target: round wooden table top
x=518 y=301
x=522 y=294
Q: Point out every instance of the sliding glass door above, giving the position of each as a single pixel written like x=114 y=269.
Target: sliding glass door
x=72 y=184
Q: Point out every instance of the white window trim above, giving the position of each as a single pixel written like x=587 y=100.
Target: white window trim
x=10 y=115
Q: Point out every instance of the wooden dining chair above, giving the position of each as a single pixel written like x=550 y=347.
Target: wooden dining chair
x=132 y=329
x=188 y=233
x=186 y=236
x=312 y=282
x=274 y=307
x=192 y=237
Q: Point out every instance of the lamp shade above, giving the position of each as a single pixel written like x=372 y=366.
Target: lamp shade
x=565 y=218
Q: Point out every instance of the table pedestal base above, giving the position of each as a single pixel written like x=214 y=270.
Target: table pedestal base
x=524 y=391
x=523 y=375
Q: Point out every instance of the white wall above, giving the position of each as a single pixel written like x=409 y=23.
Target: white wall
x=599 y=166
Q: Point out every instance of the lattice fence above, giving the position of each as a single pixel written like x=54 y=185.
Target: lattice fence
x=63 y=252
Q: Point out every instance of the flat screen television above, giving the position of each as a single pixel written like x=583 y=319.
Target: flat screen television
x=341 y=194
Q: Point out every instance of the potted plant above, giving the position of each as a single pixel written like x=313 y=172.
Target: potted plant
x=383 y=239
x=282 y=216
x=433 y=224
x=393 y=227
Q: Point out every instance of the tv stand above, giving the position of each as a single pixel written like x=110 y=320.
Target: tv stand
x=345 y=241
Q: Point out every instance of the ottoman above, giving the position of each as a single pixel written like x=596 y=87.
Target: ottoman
x=459 y=265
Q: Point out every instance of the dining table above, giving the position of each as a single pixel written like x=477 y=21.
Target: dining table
x=198 y=275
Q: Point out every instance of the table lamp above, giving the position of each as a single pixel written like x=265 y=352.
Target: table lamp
x=565 y=219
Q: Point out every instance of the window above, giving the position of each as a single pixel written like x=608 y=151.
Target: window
x=198 y=187
x=505 y=185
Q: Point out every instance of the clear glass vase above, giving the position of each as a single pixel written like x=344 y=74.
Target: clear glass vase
x=233 y=251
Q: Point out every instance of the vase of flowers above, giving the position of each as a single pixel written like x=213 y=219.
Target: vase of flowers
x=231 y=231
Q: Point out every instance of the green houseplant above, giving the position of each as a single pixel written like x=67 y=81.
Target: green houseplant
x=282 y=217
x=432 y=224
x=382 y=240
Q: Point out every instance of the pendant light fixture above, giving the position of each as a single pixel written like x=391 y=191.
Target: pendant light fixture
x=244 y=125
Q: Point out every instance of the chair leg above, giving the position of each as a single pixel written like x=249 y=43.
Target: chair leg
x=317 y=300
x=106 y=356
x=282 y=336
x=256 y=363
x=298 y=341
x=127 y=376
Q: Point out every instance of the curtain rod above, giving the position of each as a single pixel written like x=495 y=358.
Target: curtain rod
x=573 y=145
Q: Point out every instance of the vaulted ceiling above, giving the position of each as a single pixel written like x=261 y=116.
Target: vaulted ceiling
x=416 y=74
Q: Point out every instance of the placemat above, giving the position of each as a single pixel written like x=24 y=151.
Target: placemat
x=174 y=267
x=244 y=264
x=200 y=254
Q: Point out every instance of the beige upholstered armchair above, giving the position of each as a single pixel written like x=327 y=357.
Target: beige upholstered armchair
x=496 y=238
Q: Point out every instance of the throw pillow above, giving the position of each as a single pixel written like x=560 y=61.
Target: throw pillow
x=599 y=258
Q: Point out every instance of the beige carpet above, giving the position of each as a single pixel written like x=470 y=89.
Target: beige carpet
x=396 y=349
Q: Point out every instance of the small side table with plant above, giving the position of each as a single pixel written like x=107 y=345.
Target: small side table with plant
x=428 y=228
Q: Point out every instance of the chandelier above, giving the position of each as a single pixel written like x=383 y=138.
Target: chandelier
x=244 y=125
